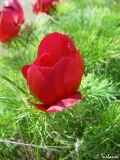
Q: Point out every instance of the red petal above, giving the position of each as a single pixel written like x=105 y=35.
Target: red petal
x=61 y=105
x=8 y=29
x=55 y=0
x=74 y=69
x=56 y=45
x=41 y=107
x=42 y=6
x=38 y=85
x=73 y=73
x=42 y=69
x=24 y=70
x=56 y=77
x=15 y=6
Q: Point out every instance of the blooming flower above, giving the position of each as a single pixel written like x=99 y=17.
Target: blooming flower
x=54 y=77
x=11 y=18
x=44 y=6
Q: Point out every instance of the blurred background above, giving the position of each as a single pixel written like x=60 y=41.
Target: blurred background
x=27 y=8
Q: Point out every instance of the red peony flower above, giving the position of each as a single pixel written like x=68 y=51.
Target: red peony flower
x=54 y=77
x=11 y=18
x=43 y=6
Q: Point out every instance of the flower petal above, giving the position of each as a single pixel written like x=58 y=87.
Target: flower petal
x=38 y=85
x=74 y=69
x=41 y=107
x=61 y=105
x=73 y=73
x=42 y=6
x=56 y=77
x=41 y=68
x=24 y=70
x=15 y=6
x=8 y=29
x=56 y=45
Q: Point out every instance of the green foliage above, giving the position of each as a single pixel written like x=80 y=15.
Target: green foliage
x=93 y=124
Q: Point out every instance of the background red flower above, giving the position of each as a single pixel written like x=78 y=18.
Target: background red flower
x=44 y=5
x=11 y=18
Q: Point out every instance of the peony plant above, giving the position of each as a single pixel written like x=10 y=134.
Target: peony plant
x=55 y=75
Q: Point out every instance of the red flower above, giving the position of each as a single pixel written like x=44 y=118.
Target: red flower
x=11 y=18
x=43 y=6
x=54 y=77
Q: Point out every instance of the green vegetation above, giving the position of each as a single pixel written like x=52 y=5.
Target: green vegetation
x=93 y=125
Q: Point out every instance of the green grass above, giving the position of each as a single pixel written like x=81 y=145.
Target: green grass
x=94 y=123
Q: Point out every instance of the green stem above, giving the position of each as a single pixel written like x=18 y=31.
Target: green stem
x=13 y=83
